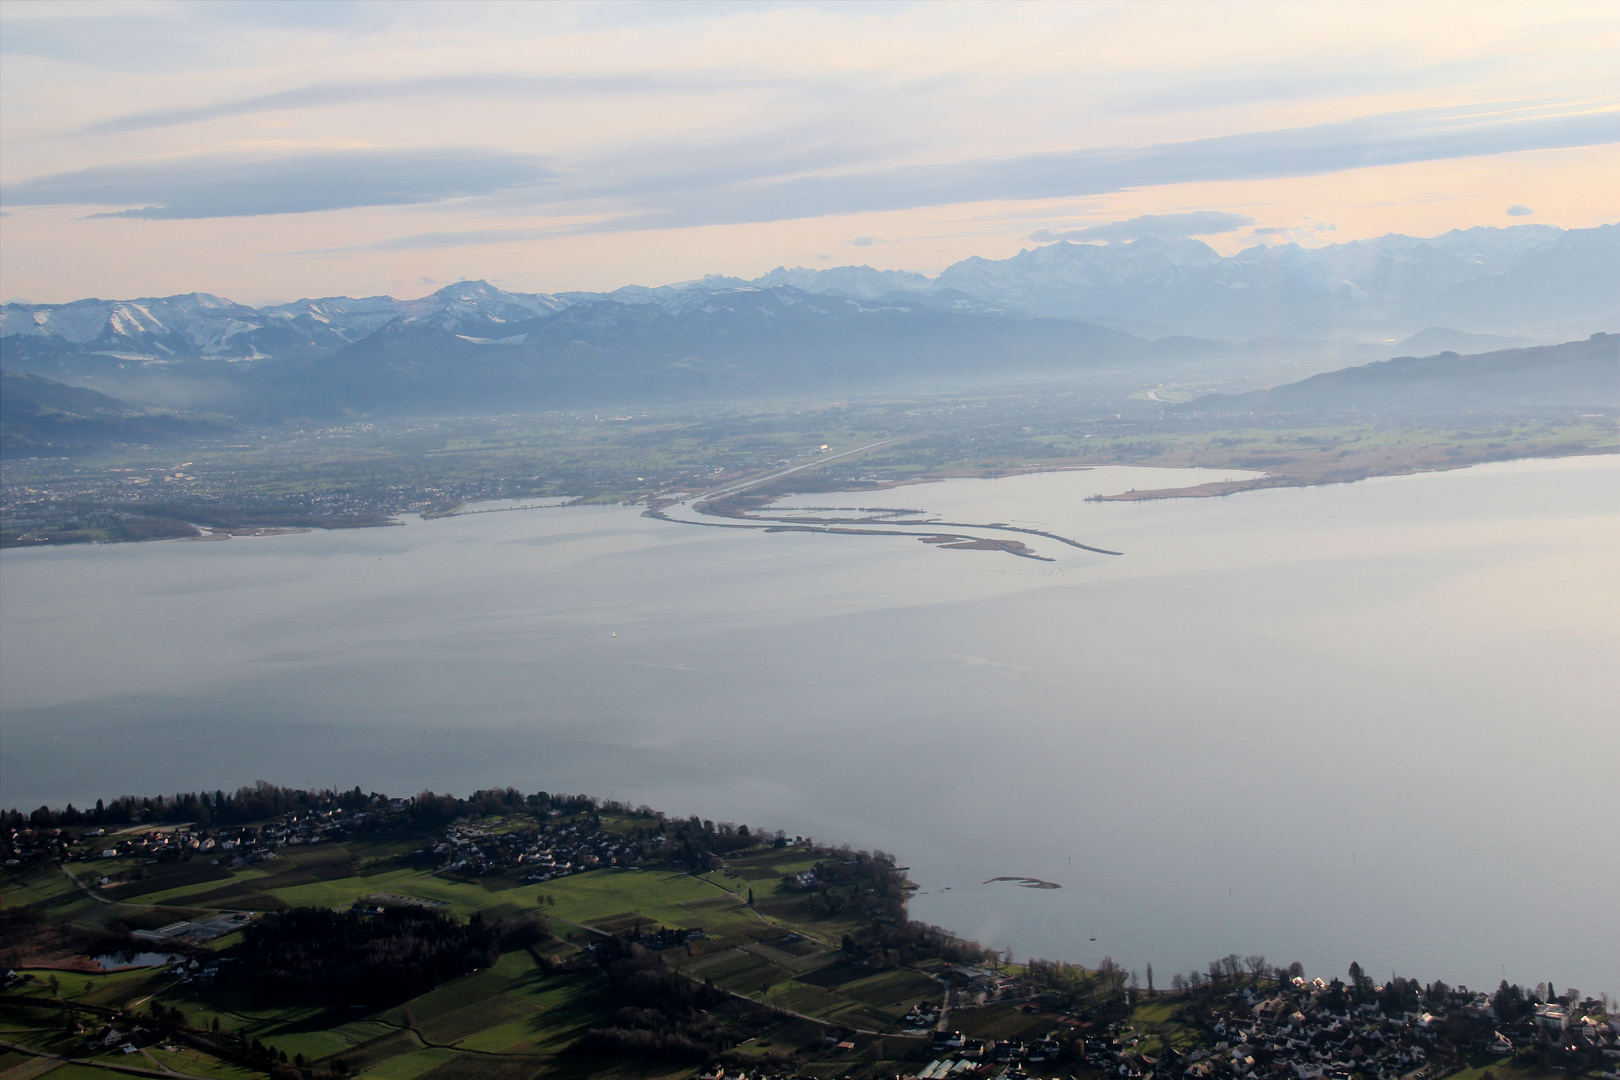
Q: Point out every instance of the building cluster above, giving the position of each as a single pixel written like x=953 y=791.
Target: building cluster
x=1308 y=1031
x=292 y=830
x=161 y=844
x=127 y=1036
x=20 y=846
x=235 y=844
x=1293 y=1035
x=48 y=499
x=1576 y=1028
x=1312 y=1034
x=122 y=506
x=196 y=932
x=963 y=1056
x=982 y=986
x=108 y=1038
x=544 y=852
x=666 y=937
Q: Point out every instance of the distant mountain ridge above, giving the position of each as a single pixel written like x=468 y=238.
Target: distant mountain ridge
x=38 y=415
x=698 y=345
x=1526 y=279
x=200 y=325
x=1575 y=374
x=1048 y=310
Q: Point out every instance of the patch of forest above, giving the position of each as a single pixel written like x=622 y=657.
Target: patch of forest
x=318 y=956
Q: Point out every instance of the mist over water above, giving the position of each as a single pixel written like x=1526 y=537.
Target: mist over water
x=1368 y=722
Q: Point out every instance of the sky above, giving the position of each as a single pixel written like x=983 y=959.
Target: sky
x=271 y=151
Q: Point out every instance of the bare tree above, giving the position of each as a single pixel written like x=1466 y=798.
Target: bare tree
x=1256 y=964
x=1234 y=966
x=1150 y=977
x=1178 y=983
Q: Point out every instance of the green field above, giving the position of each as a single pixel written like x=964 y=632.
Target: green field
x=520 y=1019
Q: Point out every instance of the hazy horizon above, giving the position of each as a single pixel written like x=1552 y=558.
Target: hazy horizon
x=274 y=151
x=424 y=289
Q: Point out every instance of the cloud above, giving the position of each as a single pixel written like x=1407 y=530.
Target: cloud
x=1519 y=210
x=437 y=88
x=1307 y=232
x=867 y=241
x=1162 y=226
x=657 y=187
x=445 y=238
x=220 y=185
x=1387 y=139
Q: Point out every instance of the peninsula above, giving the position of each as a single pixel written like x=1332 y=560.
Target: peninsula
x=307 y=935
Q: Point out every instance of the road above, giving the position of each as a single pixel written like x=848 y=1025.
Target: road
x=58 y=1059
x=87 y=890
x=744 y=485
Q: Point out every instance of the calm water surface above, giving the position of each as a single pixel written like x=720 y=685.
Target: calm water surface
x=1370 y=722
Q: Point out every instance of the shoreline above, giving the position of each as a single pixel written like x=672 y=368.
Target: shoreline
x=1281 y=477
x=1284 y=479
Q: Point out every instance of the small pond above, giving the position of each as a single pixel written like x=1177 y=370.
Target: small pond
x=119 y=961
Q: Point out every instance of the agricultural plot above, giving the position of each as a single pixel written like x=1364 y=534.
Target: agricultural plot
x=410 y=1065
x=892 y=991
x=527 y=1016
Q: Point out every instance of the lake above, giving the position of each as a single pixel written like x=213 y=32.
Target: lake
x=1370 y=722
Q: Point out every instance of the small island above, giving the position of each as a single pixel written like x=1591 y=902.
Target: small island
x=1027 y=882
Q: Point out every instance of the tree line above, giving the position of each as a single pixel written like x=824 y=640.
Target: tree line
x=262 y=801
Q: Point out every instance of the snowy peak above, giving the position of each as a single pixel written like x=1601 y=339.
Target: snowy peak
x=861 y=282
x=469 y=307
x=335 y=319
x=1527 y=280
x=1488 y=279
x=1495 y=279
x=203 y=326
x=194 y=324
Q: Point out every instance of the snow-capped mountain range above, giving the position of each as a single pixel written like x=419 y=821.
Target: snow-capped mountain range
x=1523 y=280
x=1047 y=311
x=196 y=325
x=1529 y=281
